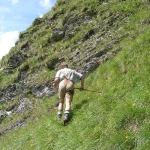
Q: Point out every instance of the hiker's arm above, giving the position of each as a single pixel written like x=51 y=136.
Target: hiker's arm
x=82 y=83
x=56 y=81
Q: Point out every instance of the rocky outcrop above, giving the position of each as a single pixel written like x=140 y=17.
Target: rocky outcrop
x=15 y=60
x=8 y=93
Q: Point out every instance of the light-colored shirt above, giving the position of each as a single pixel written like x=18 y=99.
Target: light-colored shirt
x=68 y=74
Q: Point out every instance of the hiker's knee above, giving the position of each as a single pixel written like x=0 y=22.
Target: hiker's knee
x=61 y=101
x=68 y=101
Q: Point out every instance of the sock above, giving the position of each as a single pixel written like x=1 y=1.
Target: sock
x=67 y=111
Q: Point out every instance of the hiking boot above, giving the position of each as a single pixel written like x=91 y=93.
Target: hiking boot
x=66 y=117
x=59 y=115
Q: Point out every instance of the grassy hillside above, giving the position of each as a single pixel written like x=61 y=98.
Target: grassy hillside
x=118 y=118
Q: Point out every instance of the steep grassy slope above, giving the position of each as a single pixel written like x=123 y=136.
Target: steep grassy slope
x=116 y=119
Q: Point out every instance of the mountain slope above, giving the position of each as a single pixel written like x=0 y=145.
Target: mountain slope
x=85 y=36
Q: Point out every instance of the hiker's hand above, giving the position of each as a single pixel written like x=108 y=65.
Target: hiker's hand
x=54 y=85
x=56 y=82
x=81 y=89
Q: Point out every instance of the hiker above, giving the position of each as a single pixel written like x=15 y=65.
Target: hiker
x=66 y=78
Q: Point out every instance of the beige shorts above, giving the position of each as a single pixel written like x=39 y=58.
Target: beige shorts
x=66 y=89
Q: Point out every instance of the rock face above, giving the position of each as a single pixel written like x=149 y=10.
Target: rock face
x=86 y=57
x=15 y=60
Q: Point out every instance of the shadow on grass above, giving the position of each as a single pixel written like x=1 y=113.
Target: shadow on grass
x=79 y=106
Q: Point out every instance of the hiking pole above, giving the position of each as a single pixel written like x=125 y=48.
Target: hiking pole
x=89 y=90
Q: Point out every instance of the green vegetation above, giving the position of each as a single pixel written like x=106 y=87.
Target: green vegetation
x=116 y=119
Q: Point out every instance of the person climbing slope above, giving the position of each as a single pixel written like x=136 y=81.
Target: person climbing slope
x=65 y=78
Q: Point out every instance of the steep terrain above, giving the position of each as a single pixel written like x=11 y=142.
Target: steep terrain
x=86 y=34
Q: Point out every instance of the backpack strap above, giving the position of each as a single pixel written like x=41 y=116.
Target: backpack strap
x=66 y=75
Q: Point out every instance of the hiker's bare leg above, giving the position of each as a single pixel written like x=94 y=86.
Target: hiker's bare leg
x=60 y=106
x=68 y=104
x=67 y=111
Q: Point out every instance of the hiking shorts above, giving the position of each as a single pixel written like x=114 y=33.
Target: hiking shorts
x=66 y=89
